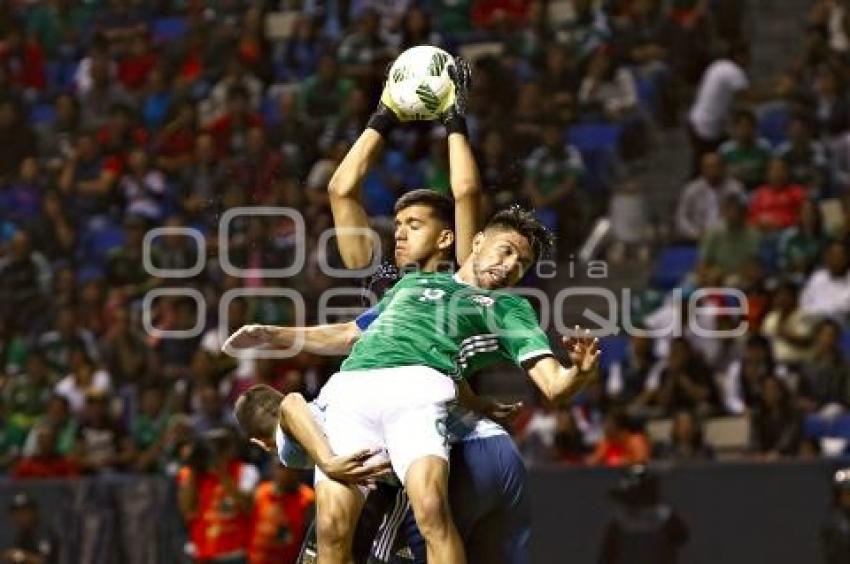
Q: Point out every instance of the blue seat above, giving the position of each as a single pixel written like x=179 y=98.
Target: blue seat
x=169 y=29
x=589 y=137
x=612 y=349
x=95 y=244
x=673 y=265
x=42 y=113
x=773 y=124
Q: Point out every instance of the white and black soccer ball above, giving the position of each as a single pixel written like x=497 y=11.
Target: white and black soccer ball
x=419 y=85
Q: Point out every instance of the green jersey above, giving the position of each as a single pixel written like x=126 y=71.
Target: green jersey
x=432 y=319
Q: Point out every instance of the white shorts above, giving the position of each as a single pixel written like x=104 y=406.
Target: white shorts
x=399 y=410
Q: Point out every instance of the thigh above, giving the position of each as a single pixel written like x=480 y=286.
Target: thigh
x=339 y=504
x=414 y=433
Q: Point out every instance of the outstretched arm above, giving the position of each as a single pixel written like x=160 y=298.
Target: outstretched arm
x=336 y=339
x=560 y=384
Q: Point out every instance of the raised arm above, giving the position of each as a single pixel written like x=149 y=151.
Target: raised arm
x=464 y=176
x=334 y=340
x=560 y=384
x=345 y=194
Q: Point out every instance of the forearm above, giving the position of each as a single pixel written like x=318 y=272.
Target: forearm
x=466 y=189
x=297 y=421
x=558 y=383
x=331 y=340
x=344 y=190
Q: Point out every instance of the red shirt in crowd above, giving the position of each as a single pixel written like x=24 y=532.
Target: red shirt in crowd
x=224 y=128
x=24 y=67
x=486 y=13
x=278 y=523
x=133 y=71
x=44 y=467
x=220 y=527
x=773 y=207
x=630 y=448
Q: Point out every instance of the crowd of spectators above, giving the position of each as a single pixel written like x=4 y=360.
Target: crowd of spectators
x=766 y=213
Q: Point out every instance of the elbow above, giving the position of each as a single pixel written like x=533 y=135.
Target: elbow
x=292 y=403
x=466 y=189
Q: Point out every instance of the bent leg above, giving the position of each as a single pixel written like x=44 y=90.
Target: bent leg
x=338 y=507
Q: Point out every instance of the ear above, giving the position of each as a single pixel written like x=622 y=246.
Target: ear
x=446 y=240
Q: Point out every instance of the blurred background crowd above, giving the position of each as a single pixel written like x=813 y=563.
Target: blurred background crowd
x=119 y=116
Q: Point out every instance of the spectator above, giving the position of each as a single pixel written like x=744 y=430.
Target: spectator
x=686 y=441
x=22 y=62
x=86 y=180
x=777 y=429
x=150 y=430
x=67 y=337
x=17 y=139
x=281 y=514
x=173 y=355
x=145 y=190
x=645 y=529
x=746 y=155
x=20 y=200
x=126 y=355
x=217 y=479
x=363 y=51
x=45 y=462
x=723 y=82
x=417 y=29
x=832 y=112
x=699 y=207
x=742 y=381
x=561 y=80
x=235 y=78
x=31 y=542
x=788 y=327
x=825 y=378
x=323 y=94
x=210 y=412
x=627 y=378
x=138 y=64
x=124 y=266
x=726 y=249
x=56 y=137
x=27 y=395
x=800 y=246
x=568 y=444
x=203 y=180
x=175 y=144
x=499 y=172
x=104 y=93
x=156 y=100
x=684 y=383
x=552 y=174
x=52 y=230
x=835 y=534
x=260 y=170
x=11 y=438
x=231 y=127
x=827 y=291
x=620 y=445
x=24 y=282
x=83 y=379
x=296 y=57
x=102 y=442
x=57 y=418
x=776 y=205
x=805 y=157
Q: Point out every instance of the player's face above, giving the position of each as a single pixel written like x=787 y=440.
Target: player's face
x=500 y=258
x=419 y=236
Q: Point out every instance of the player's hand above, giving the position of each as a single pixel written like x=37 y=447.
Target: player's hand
x=247 y=337
x=461 y=75
x=503 y=413
x=584 y=353
x=353 y=468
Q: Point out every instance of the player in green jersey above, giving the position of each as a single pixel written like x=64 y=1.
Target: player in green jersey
x=392 y=392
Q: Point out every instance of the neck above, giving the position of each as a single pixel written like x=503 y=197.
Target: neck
x=432 y=264
x=466 y=273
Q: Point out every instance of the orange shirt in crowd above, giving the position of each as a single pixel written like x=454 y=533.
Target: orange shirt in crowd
x=220 y=527
x=630 y=448
x=279 y=522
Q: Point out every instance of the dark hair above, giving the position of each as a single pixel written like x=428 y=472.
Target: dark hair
x=442 y=206
x=523 y=222
x=257 y=410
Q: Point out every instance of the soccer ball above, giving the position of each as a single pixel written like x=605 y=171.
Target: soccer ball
x=418 y=84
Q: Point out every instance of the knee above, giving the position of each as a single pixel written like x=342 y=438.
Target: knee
x=331 y=530
x=432 y=513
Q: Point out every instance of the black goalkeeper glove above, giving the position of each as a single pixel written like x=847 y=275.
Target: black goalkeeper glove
x=454 y=118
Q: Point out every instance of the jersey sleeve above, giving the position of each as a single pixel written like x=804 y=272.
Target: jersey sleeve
x=519 y=331
x=365 y=319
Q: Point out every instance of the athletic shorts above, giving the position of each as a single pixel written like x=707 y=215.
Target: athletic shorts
x=401 y=411
x=490 y=505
